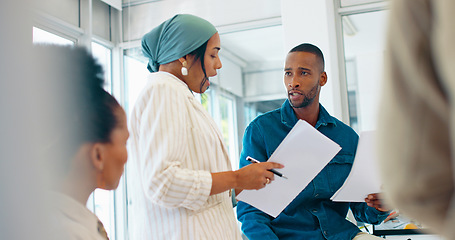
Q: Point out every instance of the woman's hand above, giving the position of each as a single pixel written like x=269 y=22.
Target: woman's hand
x=256 y=176
x=253 y=176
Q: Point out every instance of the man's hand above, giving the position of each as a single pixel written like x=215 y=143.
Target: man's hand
x=373 y=200
x=392 y=216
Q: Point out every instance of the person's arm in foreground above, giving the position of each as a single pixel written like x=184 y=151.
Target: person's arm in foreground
x=415 y=129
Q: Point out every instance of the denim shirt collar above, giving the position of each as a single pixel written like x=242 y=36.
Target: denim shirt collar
x=289 y=118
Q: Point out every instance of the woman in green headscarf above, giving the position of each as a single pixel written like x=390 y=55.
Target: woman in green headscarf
x=183 y=174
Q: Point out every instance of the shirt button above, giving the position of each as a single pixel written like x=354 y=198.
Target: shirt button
x=317 y=195
x=315 y=210
x=325 y=232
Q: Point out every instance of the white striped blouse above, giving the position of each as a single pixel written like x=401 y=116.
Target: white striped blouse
x=175 y=145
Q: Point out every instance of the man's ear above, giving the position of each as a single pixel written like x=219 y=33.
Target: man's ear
x=323 y=79
x=97 y=156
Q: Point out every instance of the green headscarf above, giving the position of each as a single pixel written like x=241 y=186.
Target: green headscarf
x=175 y=38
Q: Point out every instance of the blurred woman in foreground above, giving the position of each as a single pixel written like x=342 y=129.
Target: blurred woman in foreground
x=86 y=144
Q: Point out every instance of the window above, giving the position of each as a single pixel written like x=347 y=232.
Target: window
x=226 y=106
x=136 y=72
x=256 y=108
x=104 y=57
x=364 y=46
x=221 y=106
x=41 y=36
x=206 y=100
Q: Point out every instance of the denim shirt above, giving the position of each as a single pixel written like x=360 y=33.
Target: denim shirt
x=311 y=215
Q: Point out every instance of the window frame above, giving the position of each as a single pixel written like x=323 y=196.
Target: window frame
x=58 y=27
x=340 y=12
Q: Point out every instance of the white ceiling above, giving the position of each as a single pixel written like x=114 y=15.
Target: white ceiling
x=256 y=46
x=139 y=19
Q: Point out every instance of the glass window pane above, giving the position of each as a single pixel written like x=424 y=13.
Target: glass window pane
x=364 y=46
x=104 y=210
x=41 y=36
x=227 y=126
x=254 y=109
x=206 y=101
x=135 y=70
x=104 y=57
x=135 y=78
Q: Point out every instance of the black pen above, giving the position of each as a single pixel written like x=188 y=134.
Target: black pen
x=252 y=160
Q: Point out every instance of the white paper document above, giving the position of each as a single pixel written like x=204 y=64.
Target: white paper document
x=304 y=153
x=364 y=177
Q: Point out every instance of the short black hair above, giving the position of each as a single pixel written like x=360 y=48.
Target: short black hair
x=77 y=107
x=310 y=48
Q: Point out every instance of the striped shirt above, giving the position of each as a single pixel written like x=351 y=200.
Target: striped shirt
x=175 y=145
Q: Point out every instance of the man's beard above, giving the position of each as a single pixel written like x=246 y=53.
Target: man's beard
x=308 y=98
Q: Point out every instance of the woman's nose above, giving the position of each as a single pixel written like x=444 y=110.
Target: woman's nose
x=219 y=64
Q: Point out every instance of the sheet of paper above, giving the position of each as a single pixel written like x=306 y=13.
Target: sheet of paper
x=304 y=153
x=364 y=177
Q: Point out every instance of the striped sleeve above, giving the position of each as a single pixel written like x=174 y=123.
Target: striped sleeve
x=162 y=148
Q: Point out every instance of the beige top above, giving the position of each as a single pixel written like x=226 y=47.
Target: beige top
x=75 y=220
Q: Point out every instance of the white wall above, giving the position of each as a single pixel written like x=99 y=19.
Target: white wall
x=229 y=77
x=264 y=85
x=101 y=20
x=140 y=19
x=66 y=10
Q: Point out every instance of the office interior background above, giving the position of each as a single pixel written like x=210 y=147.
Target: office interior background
x=255 y=37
